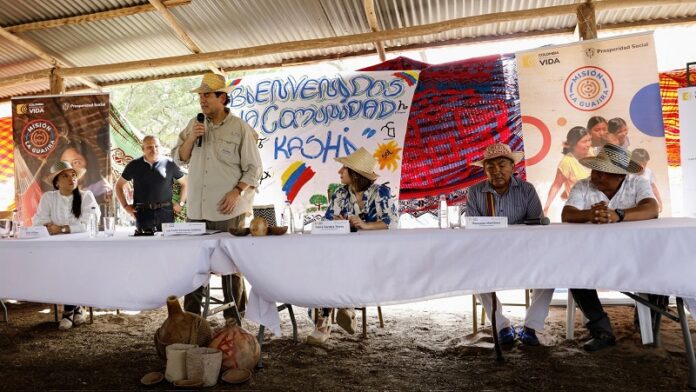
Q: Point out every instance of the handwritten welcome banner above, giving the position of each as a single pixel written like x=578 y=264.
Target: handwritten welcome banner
x=306 y=120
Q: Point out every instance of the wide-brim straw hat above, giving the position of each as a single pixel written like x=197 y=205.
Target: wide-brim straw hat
x=612 y=159
x=361 y=162
x=60 y=167
x=212 y=83
x=499 y=150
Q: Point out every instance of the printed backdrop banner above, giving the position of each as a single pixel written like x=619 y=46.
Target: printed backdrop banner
x=47 y=129
x=687 y=122
x=307 y=120
x=564 y=87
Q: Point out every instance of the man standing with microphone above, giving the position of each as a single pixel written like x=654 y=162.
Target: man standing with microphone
x=224 y=169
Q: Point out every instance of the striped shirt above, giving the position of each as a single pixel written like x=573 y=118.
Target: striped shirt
x=519 y=203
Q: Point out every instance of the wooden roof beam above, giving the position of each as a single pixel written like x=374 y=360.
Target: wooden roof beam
x=35 y=49
x=369 y=6
x=93 y=17
x=174 y=24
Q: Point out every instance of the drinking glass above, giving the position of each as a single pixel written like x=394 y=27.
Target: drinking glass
x=299 y=219
x=5 y=228
x=454 y=217
x=109 y=226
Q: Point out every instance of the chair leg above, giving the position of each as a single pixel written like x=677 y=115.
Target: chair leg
x=527 y=292
x=206 y=305
x=259 y=337
x=55 y=312
x=364 y=318
x=333 y=315
x=474 y=312
x=4 y=310
x=118 y=312
x=570 y=317
x=379 y=314
x=91 y=315
x=483 y=315
x=294 y=323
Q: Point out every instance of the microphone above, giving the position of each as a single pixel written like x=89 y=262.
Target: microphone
x=200 y=118
x=543 y=221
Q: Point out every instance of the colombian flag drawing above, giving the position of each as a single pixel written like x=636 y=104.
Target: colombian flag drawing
x=410 y=77
x=294 y=178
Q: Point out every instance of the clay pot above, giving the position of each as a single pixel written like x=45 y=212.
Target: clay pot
x=181 y=327
x=258 y=226
x=240 y=349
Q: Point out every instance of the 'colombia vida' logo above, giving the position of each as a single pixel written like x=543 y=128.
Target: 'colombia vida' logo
x=588 y=88
x=39 y=137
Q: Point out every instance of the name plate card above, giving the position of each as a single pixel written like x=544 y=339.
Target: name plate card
x=331 y=227
x=486 y=222
x=29 y=232
x=186 y=228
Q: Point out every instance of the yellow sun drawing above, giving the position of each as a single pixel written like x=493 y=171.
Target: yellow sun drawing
x=388 y=155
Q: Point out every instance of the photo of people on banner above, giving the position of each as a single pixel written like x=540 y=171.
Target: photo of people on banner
x=49 y=129
x=578 y=97
x=306 y=121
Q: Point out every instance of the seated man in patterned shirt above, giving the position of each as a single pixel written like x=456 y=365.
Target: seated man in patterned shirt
x=609 y=195
x=368 y=206
x=505 y=195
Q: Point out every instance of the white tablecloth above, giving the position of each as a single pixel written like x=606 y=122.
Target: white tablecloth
x=396 y=266
x=122 y=272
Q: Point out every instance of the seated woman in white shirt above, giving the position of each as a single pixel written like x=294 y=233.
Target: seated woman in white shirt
x=368 y=206
x=63 y=211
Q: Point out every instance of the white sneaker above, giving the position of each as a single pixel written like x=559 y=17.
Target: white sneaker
x=345 y=318
x=79 y=317
x=65 y=323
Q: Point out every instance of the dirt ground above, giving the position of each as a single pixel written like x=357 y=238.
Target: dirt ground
x=419 y=349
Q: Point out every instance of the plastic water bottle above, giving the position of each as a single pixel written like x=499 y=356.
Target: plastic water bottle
x=287 y=217
x=93 y=225
x=442 y=213
x=16 y=223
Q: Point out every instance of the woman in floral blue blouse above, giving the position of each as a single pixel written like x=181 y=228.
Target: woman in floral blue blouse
x=368 y=206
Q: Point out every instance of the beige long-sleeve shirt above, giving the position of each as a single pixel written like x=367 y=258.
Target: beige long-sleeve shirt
x=228 y=155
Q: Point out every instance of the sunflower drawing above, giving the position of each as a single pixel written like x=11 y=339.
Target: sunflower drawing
x=388 y=155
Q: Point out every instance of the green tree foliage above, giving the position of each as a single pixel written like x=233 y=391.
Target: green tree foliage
x=161 y=108
x=318 y=200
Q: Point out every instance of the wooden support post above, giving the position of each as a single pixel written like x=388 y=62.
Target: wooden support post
x=587 y=24
x=57 y=83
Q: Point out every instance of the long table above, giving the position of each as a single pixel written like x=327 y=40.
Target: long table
x=371 y=268
x=397 y=266
x=120 y=272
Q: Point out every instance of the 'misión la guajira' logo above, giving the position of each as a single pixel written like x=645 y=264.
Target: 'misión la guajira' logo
x=39 y=137
x=588 y=88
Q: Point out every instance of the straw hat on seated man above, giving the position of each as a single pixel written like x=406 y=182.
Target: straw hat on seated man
x=609 y=195
x=503 y=194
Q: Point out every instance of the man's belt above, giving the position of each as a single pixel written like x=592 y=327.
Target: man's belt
x=153 y=206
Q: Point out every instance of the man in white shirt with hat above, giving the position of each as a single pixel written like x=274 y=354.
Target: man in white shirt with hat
x=609 y=195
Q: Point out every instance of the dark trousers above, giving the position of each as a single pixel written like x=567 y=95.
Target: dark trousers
x=232 y=285
x=152 y=218
x=588 y=302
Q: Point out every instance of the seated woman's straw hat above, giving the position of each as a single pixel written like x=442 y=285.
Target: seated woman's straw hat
x=361 y=162
x=60 y=167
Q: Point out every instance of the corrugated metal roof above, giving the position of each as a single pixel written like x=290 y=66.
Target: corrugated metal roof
x=216 y=25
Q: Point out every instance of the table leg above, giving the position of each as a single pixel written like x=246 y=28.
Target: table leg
x=688 y=344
